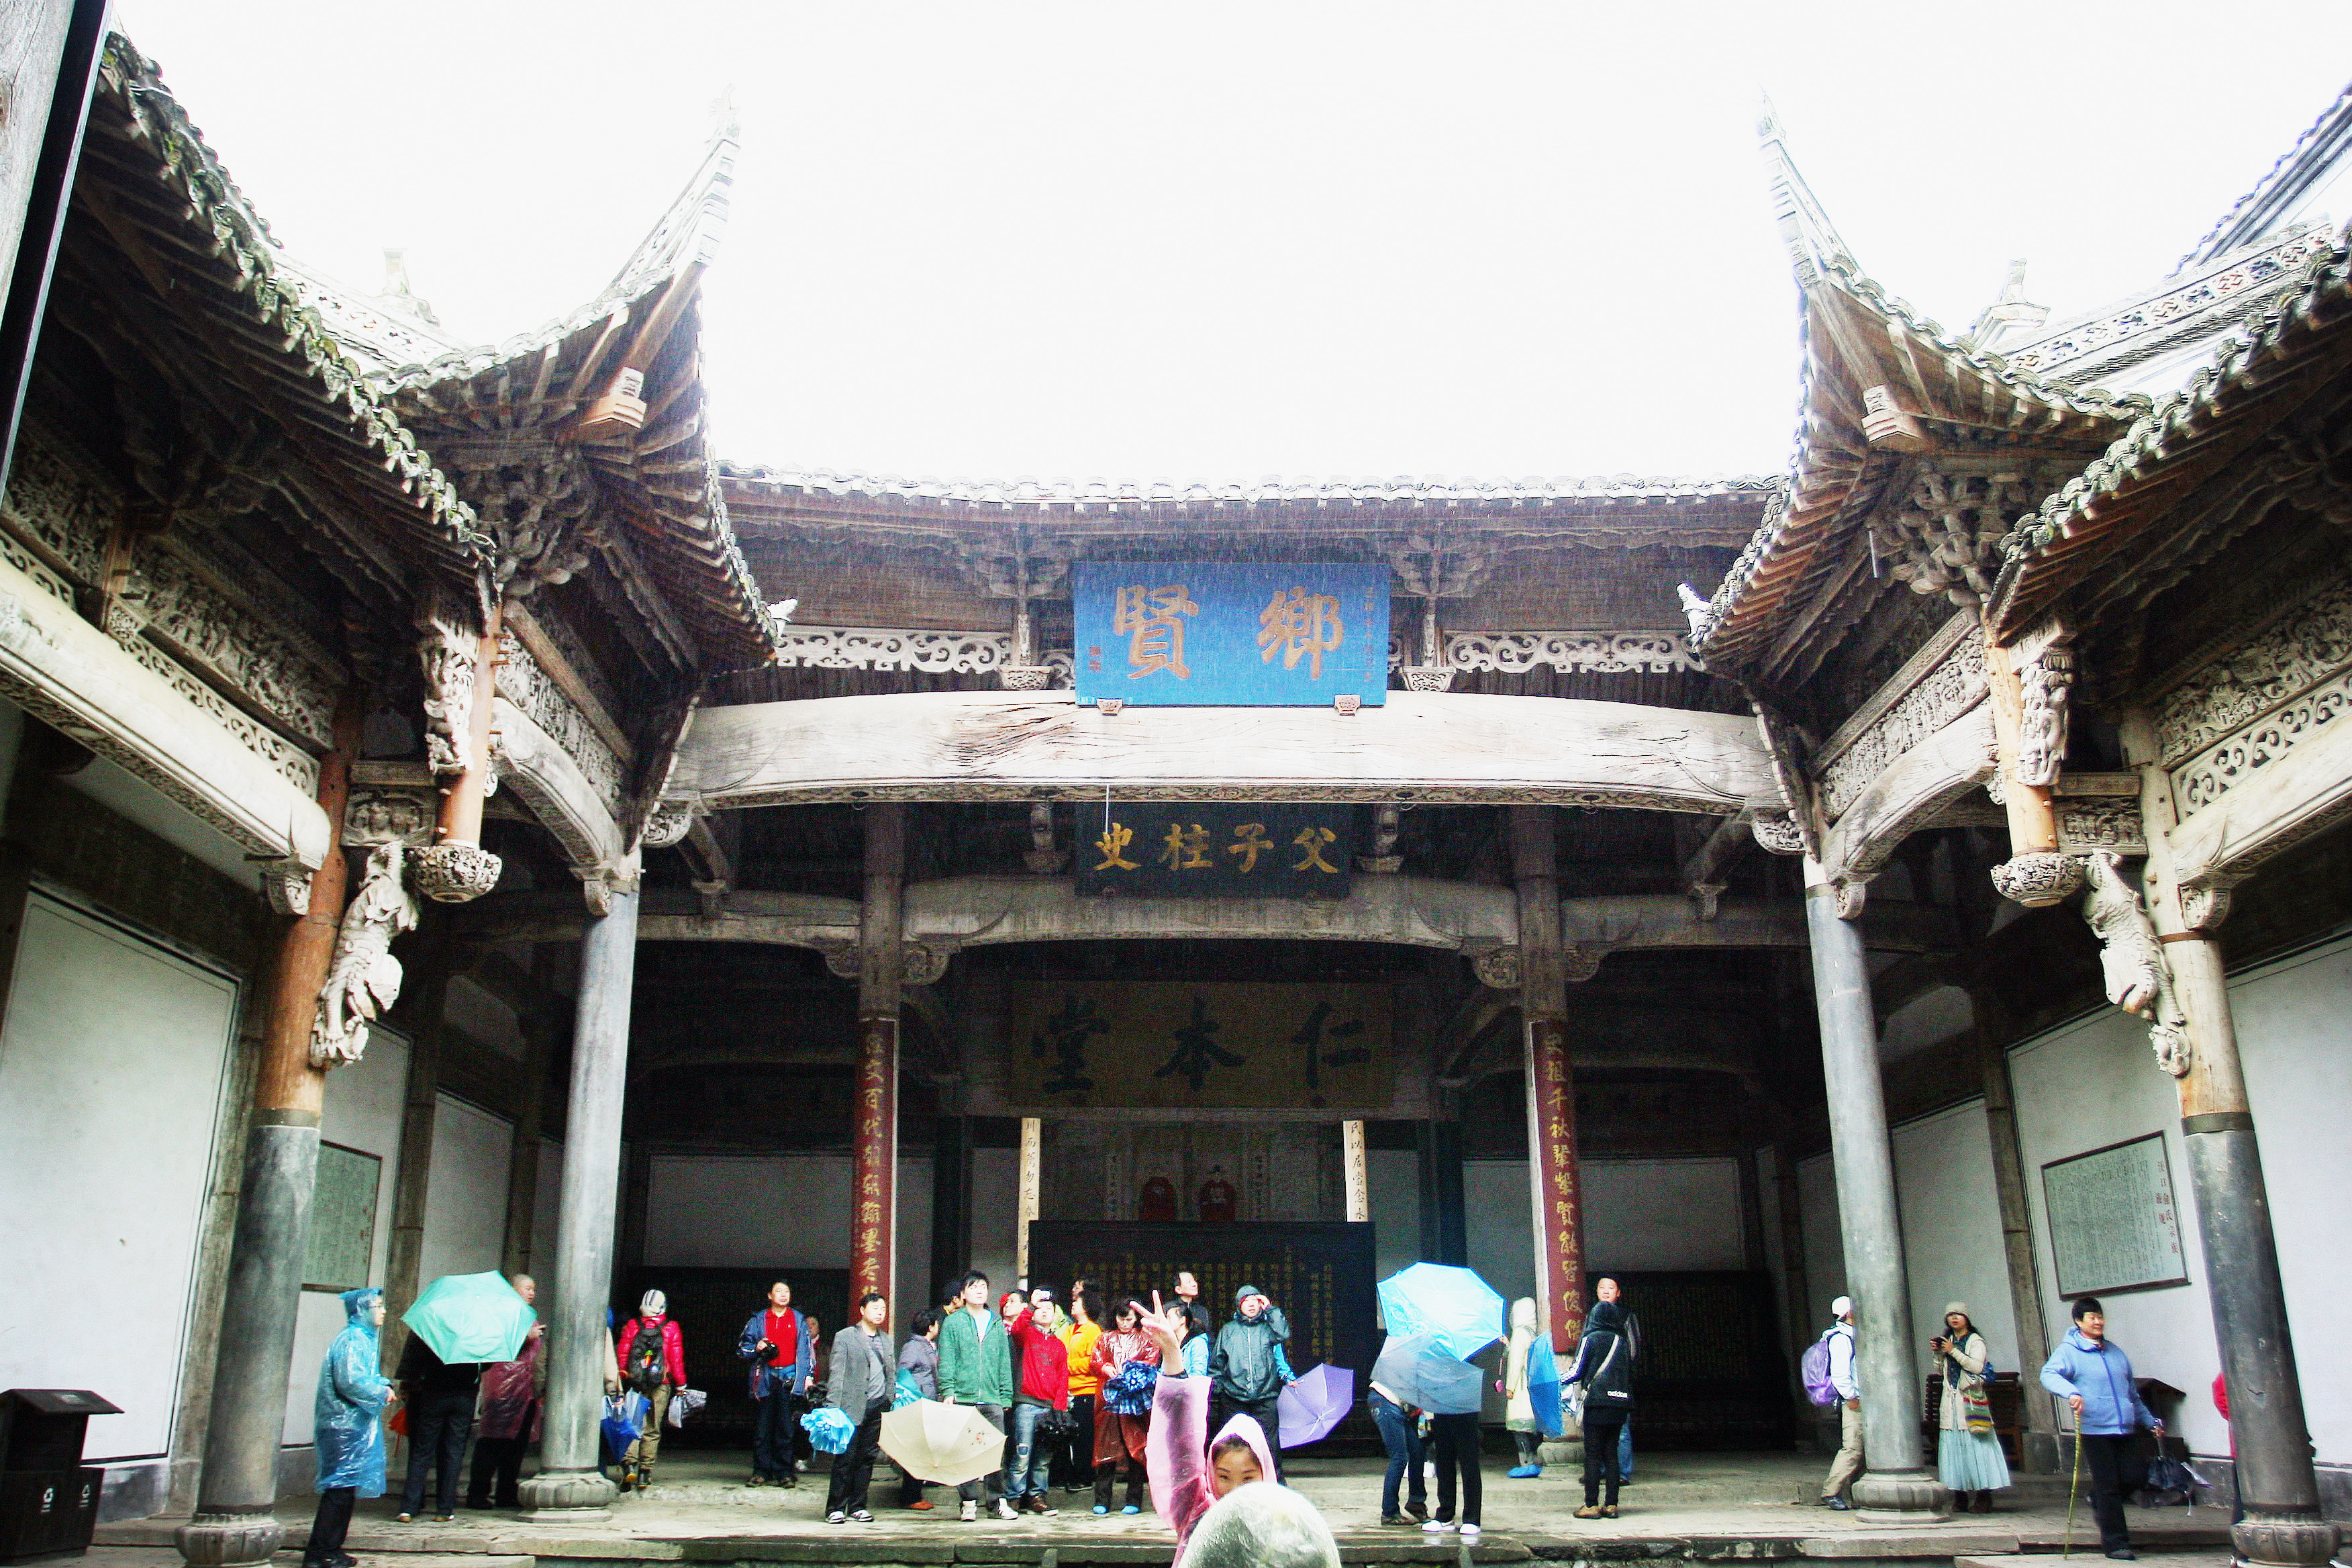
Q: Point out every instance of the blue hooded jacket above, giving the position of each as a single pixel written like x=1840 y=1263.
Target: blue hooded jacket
x=351 y=1392
x=2100 y=1372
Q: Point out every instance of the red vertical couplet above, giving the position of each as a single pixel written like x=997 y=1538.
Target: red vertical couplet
x=1552 y=1144
x=874 y=1160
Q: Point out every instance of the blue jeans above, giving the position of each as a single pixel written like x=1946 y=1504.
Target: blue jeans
x=1032 y=1461
x=1401 y=1435
x=1625 y=1452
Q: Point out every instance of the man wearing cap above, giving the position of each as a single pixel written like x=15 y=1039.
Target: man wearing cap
x=1848 y=1463
x=652 y=1358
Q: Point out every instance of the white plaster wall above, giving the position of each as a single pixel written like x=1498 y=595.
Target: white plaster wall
x=696 y=1215
x=363 y=1113
x=2083 y=1087
x=996 y=1208
x=1499 y=1221
x=465 y=1191
x=113 y=1061
x=1927 y=1020
x=2295 y=1038
x=1639 y=1215
x=1661 y=1215
x=1951 y=1229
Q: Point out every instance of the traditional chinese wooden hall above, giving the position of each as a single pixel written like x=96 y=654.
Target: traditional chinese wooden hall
x=454 y=818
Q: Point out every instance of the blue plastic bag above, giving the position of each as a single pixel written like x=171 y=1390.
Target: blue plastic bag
x=625 y=1418
x=829 y=1429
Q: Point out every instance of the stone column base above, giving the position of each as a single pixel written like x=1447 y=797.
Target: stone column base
x=2299 y=1541
x=1901 y=1497
x=568 y=1497
x=1567 y=1451
x=229 y=1540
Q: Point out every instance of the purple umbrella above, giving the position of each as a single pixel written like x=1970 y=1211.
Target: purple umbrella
x=1317 y=1401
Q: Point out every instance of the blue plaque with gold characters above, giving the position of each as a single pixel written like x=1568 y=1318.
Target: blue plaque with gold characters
x=1191 y=634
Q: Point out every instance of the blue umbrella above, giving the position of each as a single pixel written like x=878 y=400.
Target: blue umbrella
x=1453 y=1304
x=471 y=1317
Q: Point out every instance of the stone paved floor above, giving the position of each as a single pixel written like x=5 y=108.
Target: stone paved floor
x=702 y=1496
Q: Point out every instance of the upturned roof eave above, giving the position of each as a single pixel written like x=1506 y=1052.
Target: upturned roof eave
x=386 y=461
x=2123 y=492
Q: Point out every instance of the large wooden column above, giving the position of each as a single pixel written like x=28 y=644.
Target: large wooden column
x=238 y=1489
x=1897 y=1484
x=2038 y=1448
x=523 y=1150
x=1557 y=1200
x=2276 y=1484
x=570 y=1487
x=873 y=1133
x=1444 y=1222
x=950 y=1204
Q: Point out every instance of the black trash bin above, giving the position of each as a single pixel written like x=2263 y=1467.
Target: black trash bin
x=48 y=1499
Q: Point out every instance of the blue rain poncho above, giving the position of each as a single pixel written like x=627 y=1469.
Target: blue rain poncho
x=350 y=1406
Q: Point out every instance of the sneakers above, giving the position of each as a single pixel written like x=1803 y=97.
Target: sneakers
x=969 y=1512
x=862 y=1517
x=405 y=1518
x=1005 y=1510
x=836 y=1517
x=1438 y=1527
x=1838 y=1503
x=1469 y=1533
x=1589 y=1510
x=1035 y=1503
x=1416 y=1511
x=1394 y=1518
x=2124 y=1554
x=921 y=1505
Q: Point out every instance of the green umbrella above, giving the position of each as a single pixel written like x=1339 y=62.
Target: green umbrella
x=471 y=1317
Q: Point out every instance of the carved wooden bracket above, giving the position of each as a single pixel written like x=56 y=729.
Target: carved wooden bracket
x=2138 y=980
x=2039 y=879
x=364 y=978
x=1504 y=968
x=918 y=964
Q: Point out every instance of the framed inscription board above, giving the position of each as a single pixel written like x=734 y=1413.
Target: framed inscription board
x=1226 y=633
x=342 y=1219
x=2113 y=1222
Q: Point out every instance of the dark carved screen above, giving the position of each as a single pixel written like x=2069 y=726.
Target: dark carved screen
x=1320 y=1275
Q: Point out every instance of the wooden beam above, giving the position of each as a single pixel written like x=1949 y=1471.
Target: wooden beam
x=1026 y=746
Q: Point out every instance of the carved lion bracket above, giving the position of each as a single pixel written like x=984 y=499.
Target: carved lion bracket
x=362 y=978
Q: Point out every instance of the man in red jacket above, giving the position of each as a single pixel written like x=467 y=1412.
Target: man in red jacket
x=652 y=1355
x=1041 y=1386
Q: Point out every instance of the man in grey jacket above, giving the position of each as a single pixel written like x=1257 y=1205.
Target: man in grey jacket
x=1247 y=1369
x=858 y=1385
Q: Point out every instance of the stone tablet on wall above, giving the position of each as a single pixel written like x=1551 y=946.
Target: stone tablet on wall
x=2113 y=1222
x=1215 y=1044
x=342 y=1219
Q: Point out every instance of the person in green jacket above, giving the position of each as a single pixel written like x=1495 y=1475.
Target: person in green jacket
x=976 y=1369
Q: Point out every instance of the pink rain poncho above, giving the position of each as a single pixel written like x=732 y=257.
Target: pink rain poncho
x=1176 y=1454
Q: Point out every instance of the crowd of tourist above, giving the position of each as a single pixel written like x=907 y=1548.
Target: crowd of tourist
x=1103 y=1398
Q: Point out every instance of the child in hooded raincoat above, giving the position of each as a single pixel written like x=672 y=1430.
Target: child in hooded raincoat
x=349 y=1411
x=1189 y=1471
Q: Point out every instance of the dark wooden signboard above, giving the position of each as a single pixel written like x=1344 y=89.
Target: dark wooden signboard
x=1189 y=849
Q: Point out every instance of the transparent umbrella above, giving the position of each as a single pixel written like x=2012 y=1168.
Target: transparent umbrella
x=1314 y=1405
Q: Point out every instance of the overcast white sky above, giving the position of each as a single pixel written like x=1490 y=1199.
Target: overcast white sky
x=1195 y=240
